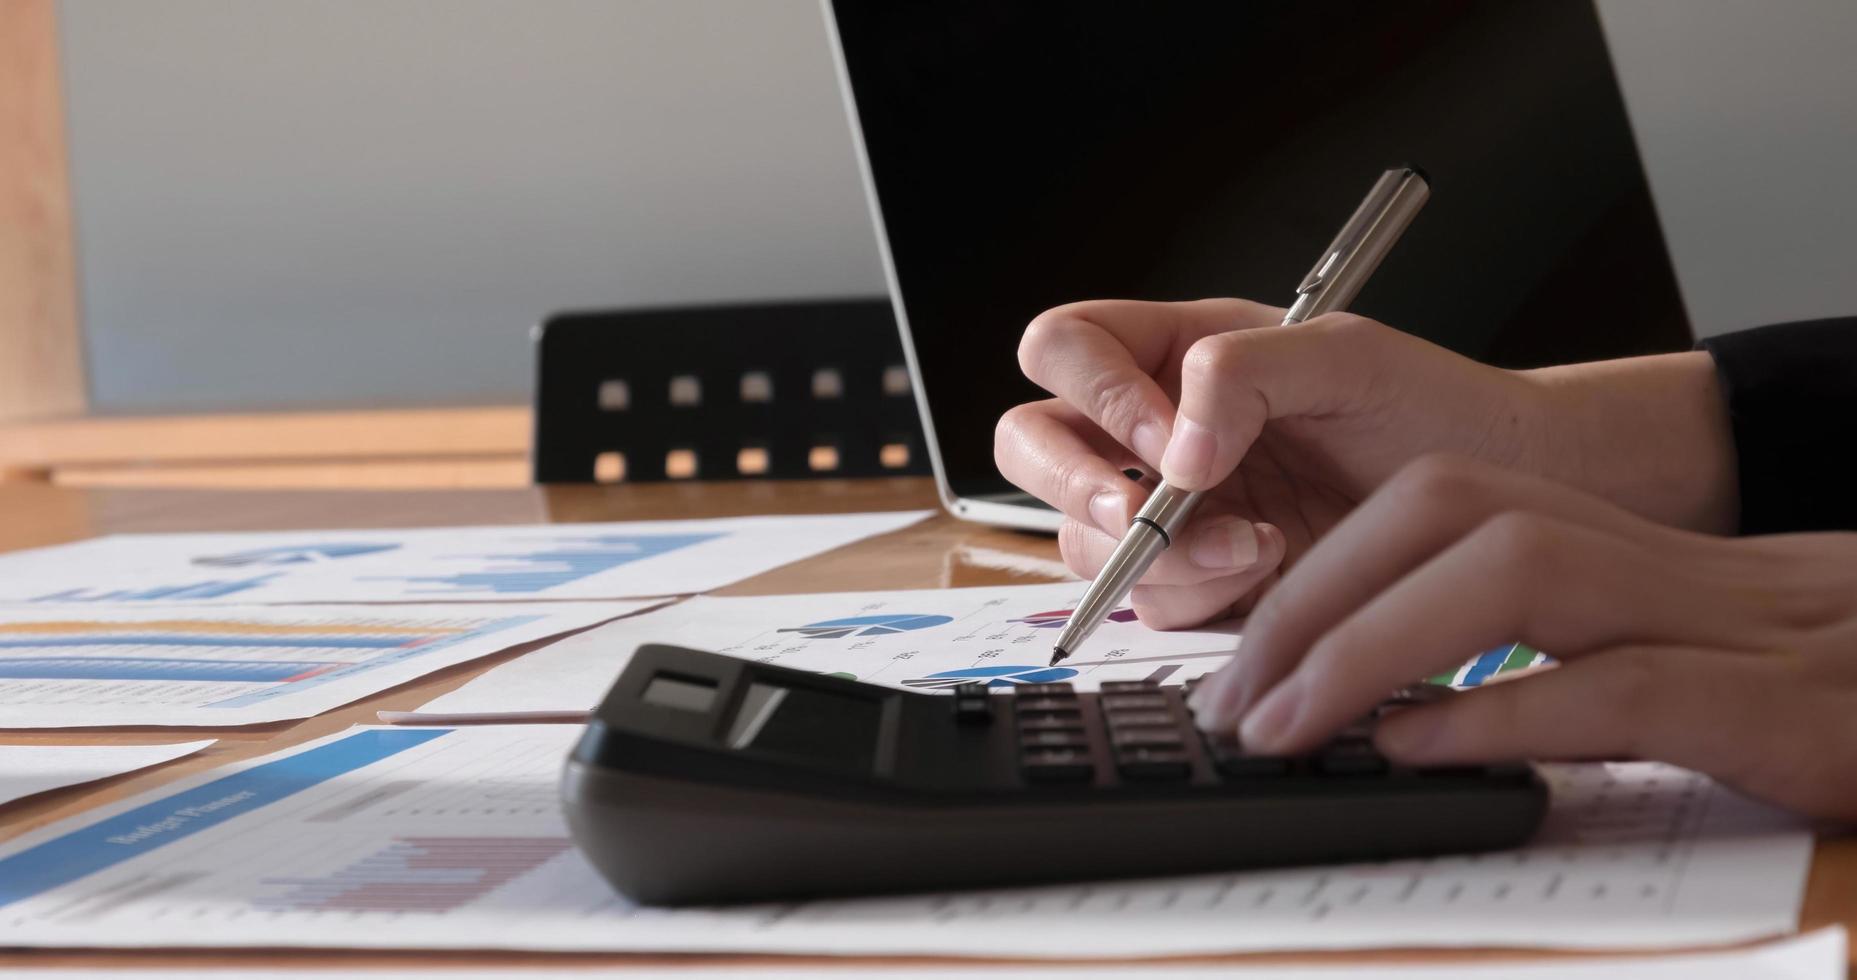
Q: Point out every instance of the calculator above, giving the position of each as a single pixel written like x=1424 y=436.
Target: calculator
x=704 y=778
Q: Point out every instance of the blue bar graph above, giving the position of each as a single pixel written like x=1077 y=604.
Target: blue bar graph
x=539 y=571
x=189 y=590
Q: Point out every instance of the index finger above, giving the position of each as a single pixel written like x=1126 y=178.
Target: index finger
x=1115 y=360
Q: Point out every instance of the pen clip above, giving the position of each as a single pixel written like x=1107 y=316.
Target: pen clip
x=1320 y=272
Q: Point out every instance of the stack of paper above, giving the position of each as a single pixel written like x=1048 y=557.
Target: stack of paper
x=27 y=770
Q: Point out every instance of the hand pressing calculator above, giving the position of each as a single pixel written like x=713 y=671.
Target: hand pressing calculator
x=704 y=778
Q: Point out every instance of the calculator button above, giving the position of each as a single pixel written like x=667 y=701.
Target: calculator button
x=970 y=690
x=973 y=710
x=1045 y=691
x=1050 y=719
x=1046 y=704
x=1056 y=765
x=1168 y=737
x=1350 y=758
x=1140 y=719
x=1054 y=738
x=1230 y=757
x=1127 y=687
x=1155 y=763
x=1124 y=702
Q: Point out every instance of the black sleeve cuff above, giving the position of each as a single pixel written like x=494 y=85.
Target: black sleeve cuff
x=1792 y=399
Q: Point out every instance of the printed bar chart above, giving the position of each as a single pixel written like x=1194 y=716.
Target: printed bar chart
x=540 y=571
x=419 y=874
x=233 y=665
x=157 y=669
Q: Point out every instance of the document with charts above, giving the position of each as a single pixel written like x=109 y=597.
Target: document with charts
x=26 y=770
x=453 y=838
x=1817 y=955
x=434 y=564
x=924 y=640
x=65 y=667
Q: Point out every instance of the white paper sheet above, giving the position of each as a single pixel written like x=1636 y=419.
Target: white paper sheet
x=239 y=665
x=918 y=640
x=26 y=770
x=452 y=838
x=544 y=561
x=1817 y=955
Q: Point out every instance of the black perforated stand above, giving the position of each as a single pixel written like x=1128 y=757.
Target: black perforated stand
x=762 y=391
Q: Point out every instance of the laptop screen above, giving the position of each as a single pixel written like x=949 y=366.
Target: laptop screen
x=1028 y=155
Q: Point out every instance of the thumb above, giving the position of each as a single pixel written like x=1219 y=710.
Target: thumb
x=1232 y=383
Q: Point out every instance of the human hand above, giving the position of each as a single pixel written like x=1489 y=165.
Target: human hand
x=1733 y=656
x=1286 y=427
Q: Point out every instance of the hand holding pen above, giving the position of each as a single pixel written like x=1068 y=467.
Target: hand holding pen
x=1331 y=284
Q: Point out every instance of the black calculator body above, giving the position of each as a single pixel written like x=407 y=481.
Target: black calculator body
x=706 y=779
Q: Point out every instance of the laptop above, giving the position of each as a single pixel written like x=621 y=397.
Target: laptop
x=1021 y=156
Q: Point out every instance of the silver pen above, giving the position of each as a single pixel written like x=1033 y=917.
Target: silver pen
x=1337 y=277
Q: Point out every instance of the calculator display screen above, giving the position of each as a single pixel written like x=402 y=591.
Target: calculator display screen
x=827 y=729
x=680 y=692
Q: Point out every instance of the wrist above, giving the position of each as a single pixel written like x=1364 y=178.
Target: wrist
x=1648 y=433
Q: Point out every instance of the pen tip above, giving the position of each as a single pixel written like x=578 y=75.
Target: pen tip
x=1057 y=656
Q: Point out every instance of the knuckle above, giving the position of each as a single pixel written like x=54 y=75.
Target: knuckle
x=1071 y=480
x=1118 y=405
x=1214 y=358
x=1634 y=690
x=1073 y=544
x=1015 y=451
x=1343 y=327
x=1440 y=477
x=1048 y=333
x=1519 y=539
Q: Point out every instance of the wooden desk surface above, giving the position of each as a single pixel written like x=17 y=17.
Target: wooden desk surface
x=940 y=552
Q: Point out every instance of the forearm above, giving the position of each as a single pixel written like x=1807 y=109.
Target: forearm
x=1651 y=434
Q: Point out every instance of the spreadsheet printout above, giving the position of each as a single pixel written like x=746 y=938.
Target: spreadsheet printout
x=431 y=564
x=202 y=666
x=452 y=838
x=1818 y=955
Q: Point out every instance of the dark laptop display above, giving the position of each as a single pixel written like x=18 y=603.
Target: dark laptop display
x=1027 y=155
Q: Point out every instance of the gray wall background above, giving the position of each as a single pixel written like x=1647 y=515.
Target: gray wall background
x=366 y=202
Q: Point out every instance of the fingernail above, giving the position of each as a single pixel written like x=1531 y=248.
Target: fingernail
x=1267 y=726
x=1150 y=441
x=1412 y=735
x=1109 y=512
x=1229 y=544
x=1188 y=460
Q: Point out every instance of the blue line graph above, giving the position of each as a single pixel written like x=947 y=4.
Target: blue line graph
x=1001 y=676
x=569 y=560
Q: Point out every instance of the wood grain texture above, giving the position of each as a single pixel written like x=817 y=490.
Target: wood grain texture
x=933 y=554
x=259 y=437
x=415 y=473
x=41 y=350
